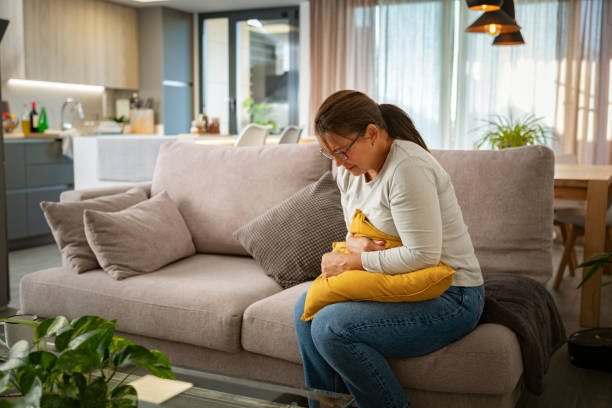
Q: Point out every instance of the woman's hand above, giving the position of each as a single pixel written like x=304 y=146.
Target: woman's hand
x=336 y=262
x=357 y=245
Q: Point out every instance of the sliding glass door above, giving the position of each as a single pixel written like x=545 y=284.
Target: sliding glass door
x=249 y=67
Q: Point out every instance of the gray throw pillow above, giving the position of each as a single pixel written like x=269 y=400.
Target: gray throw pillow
x=289 y=240
x=139 y=239
x=66 y=222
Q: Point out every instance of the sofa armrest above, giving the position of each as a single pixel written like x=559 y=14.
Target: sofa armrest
x=85 y=194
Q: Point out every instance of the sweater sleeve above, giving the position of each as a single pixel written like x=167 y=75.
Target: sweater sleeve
x=415 y=209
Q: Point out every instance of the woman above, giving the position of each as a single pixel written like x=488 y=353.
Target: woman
x=385 y=170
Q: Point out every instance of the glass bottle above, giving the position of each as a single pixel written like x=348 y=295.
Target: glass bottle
x=42 y=121
x=25 y=119
x=33 y=119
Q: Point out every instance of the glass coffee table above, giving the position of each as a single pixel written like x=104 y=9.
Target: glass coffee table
x=212 y=390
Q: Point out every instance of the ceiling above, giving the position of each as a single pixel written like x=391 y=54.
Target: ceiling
x=195 y=6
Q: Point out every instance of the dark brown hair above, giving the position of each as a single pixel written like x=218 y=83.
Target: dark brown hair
x=346 y=112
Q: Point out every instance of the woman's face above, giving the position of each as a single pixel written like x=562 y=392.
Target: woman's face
x=356 y=148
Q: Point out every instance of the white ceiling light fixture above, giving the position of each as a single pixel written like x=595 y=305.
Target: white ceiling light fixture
x=55 y=85
x=254 y=22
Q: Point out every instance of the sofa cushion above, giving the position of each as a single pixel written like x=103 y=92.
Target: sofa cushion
x=199 y=300
x=152 y=229
x=506 y=197
x=66 y=222
x=487 y=360
x=219 y=189
x=289 y=239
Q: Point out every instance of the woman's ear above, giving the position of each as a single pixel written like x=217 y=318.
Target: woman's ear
x=372 y=132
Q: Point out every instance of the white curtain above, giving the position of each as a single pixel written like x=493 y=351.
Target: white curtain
x=414 y=54
x=450 y=81
x=584 y=102
x=507 y=80
x=341 y=48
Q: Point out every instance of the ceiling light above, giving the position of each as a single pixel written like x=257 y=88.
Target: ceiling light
x=55 y=85
x=484 y=5
x=253 y=22
x=493 y=23
x=514 y=38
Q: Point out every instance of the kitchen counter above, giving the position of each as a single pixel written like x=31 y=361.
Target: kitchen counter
x=22 y=136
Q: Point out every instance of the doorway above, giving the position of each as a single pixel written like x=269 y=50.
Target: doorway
x=249 y=67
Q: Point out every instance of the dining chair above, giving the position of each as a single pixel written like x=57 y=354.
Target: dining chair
x=567 y=207
x=253 y=135
x=574 y=225
x=291 y=134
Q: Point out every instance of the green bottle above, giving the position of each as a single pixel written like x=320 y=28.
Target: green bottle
x=42 y=121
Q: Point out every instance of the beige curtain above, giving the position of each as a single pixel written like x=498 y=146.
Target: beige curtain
x=583 y=117
x=341 y=48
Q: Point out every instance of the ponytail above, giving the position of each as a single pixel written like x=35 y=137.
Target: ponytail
x=399 y=125
x=346 y=112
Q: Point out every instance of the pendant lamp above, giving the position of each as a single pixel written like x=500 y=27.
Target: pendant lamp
x=514 y=38
x=484 y=5
x=493 y=23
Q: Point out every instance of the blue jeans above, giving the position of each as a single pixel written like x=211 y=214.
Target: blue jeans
x=345 y=345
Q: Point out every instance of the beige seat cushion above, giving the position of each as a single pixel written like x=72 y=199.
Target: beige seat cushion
x=199 y=300
x=488 y=360
x=219 y=189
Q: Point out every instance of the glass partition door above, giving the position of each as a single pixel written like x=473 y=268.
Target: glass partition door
x=259 y=83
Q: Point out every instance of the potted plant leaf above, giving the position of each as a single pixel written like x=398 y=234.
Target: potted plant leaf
x=503 y=132
x=596 y=262
x=81 y=370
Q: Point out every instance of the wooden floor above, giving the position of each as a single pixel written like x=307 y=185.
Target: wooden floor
x=566 y=385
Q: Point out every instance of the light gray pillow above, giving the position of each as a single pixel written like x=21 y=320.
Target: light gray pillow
x=139 y=239
x=289 y=240
x=66 y=222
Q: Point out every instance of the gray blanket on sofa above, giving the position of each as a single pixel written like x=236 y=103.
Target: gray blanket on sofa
x=526 y=307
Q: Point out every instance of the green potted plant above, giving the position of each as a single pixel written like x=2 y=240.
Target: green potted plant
x=78 y=374
x=502 y=132
x=258 y=112
x=596 y=262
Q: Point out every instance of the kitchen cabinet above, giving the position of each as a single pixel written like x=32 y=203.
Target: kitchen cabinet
x=90 y=42
x=36 y=171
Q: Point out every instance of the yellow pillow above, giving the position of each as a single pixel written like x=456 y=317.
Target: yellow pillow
x=413 y=286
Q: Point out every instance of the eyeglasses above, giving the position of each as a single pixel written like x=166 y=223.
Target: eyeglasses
x=339 y=154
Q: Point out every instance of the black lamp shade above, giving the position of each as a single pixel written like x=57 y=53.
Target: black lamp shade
x=514 y=38
x=484 y=5
x=493 y=23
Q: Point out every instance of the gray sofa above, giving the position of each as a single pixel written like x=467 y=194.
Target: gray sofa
x=219 y=311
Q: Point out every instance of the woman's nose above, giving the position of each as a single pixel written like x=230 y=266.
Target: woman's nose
x=338 y=162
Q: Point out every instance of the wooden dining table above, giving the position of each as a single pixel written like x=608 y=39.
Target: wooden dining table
x=593 y=184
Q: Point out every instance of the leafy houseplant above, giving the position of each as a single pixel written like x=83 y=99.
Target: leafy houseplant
x=258 y=112
x=79 y=374
x=596 y=263
x=502 y=132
